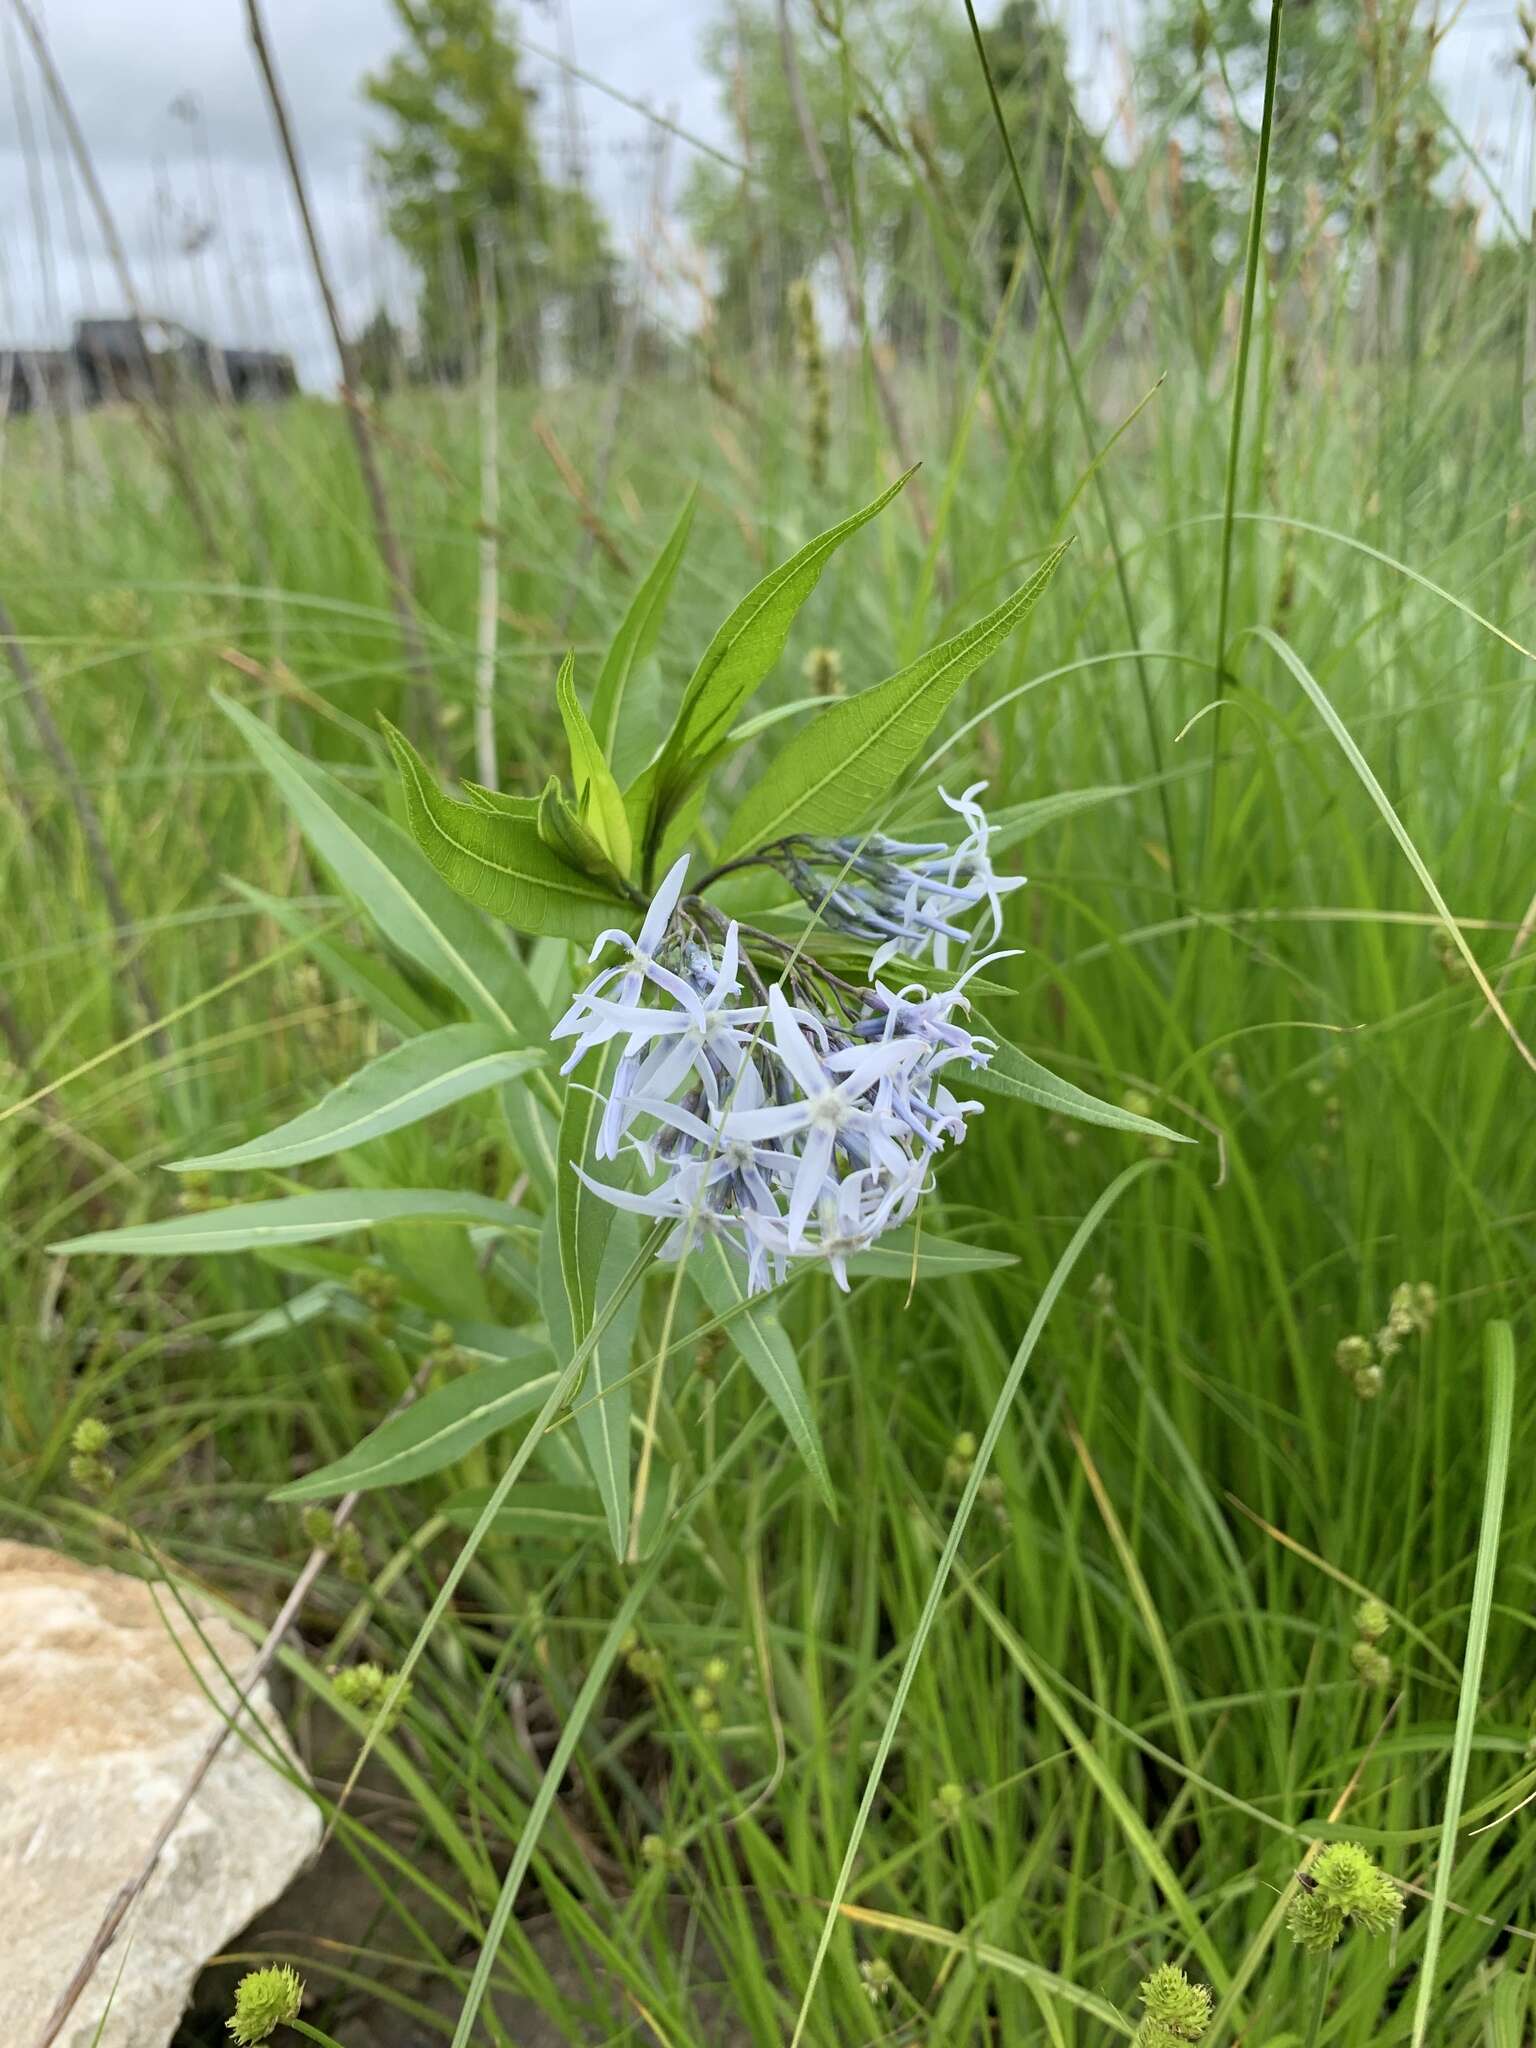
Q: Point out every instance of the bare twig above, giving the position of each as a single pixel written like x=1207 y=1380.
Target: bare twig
x=367 y=461
x=490 y=510
x=121 y=1901
x=57 y=749
x=848 y=268
x=169 y=437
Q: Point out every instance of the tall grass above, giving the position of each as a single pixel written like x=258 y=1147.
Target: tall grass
x=1135 y=1707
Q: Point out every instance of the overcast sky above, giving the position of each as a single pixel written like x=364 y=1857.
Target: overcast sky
x=168 y=96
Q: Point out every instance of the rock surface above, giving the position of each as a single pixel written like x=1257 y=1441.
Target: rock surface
x=101 y=1724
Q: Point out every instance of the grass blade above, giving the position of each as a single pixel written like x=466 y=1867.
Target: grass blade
x=968 y=1497
x=1499 y=1357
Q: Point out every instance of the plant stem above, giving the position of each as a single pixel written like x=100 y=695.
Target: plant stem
x=1239 y=390
x=1086 y=420
x=1320 y=1996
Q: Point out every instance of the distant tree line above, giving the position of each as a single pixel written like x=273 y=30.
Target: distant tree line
x=899 y=108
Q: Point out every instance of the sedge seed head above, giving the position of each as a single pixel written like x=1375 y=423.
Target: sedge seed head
x=1178 y=2009
x=264 y=2001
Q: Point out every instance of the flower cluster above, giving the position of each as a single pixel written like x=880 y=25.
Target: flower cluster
x=797 y=1118
x=1343 y=1889
x=1362 y=1359
x=902 y=896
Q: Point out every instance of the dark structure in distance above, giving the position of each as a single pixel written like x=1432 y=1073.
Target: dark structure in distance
x=113 y=360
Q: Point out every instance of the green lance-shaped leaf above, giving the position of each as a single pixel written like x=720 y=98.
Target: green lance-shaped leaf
x=499 y=861
x=742 y=652
x=567 y=836
x=598 y=800
x=498 y=800
x=293 y=1219
x=398 y=1088
x=433 y=1432
x=601 y=1405
x=840 y=766
x=938 y=1258
x=412 y=906
x=580 y=1269
x=637 y=633
x=1011 y=1072
x=764 y=1345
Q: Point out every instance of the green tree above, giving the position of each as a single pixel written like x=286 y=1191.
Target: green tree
x=900 y=108
x=461 y=158
x=1360 y=131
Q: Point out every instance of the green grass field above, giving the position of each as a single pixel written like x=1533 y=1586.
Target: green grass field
x=1136 y=1710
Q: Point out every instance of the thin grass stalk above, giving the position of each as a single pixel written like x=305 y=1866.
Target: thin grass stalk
x=848 y=269
x=490 y=510
x=1085 y=417
x=1499 y=1369
x=168 y=439
x=1239 y=392
x=97 y=852
x=401 y=601
x=1001 y=1410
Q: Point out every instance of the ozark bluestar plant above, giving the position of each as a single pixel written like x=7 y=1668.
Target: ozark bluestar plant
x=769 y=1102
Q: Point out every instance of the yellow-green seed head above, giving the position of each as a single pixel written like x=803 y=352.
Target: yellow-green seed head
x=365 y=1687
x=1369 y=1381
x=1352 y=1354
x=91 y=1437
x=1372 y=1620
x=264 y=2001
x=1178 y=2009
x=1346 y=1890
x=716 y=1672
x=949 y=1801
x=91 y=1475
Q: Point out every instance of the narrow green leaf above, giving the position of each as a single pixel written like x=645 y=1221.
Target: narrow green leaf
x=532 y=1128
x=580 y=1273
x=938 y=1258
x=497 y=800
x=305 y=1307
x=292 y=1219
x=598 y=801
x=415 y=911
x=1012 y=1072
x=499 y=861
x=1499 y=1372
x=571 y=840
x=398 y=1088
x=557 y=1514
x=845 y=762
x=431 y=1433
x=766 y=1350
x=368 y=976
x=601 y=1408
x=637 y=632
x=741 y=653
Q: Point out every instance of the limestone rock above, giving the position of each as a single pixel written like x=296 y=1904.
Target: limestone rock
x=101 y=1724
